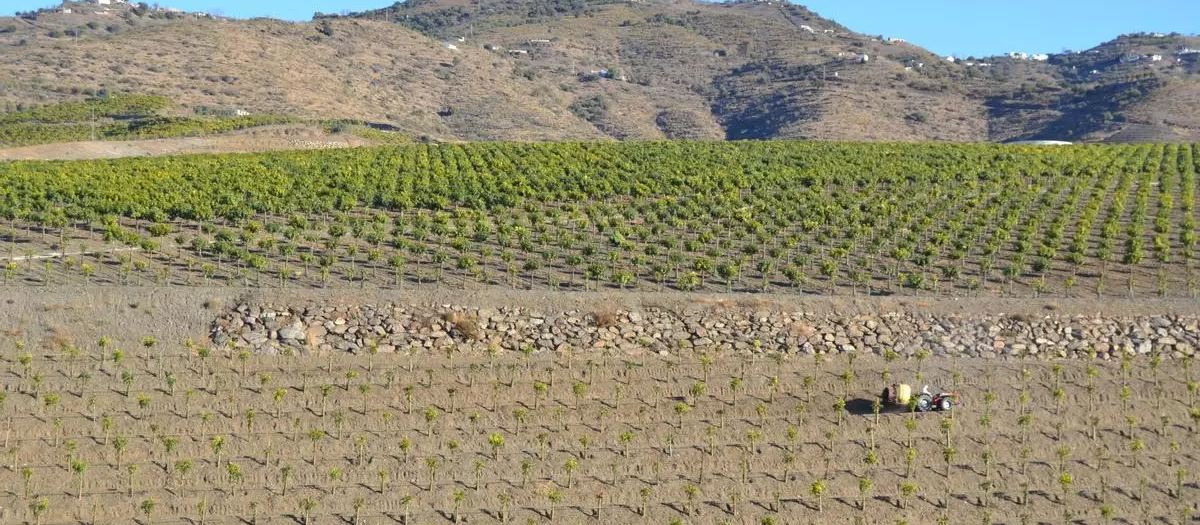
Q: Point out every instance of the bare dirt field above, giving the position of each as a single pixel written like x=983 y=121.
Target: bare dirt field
x=145 y=426
x=274 y=138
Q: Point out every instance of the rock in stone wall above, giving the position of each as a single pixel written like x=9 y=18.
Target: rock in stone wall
x=415 y=329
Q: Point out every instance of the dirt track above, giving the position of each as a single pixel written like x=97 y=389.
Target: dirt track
x=231 y=143
x=176 y=313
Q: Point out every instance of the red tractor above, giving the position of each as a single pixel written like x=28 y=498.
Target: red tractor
x=900 y=395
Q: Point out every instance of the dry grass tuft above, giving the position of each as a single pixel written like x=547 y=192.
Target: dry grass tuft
x=606 y=318
x=59 y=338
x=464 y=324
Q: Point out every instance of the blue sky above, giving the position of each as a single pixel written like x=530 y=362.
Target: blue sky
x=961 y=27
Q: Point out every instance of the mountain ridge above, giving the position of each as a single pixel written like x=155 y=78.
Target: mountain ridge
x=602 y=69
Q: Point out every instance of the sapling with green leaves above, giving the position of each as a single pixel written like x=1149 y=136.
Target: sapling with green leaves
x=682 y=409
x=405 y=446
x=315 y=436
x=119 y=445
x=864 y=487
x=79 y=468
x=1064 y=481
x=307 y=506
x=182 y=468
x=1137 y=446
x=555 y=496
x=539 y=391
x=907 y=490
x=147 y=507
x=431 y=415
x=519 y=416
x=325 y=391
x=497 y=442
x=818 y=489
x=1180 y=478
x=431 y=466
x=839 y=407
x=39 y=508
x=127 y=380
x=690 y=492
x=579 y=390
x=1063 y=452
x=625 y=438
x=526 y=468
x=569 y=468
x=697 y=390
x=948 y=454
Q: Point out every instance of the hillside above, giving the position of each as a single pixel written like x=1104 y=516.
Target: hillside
x=598 y=69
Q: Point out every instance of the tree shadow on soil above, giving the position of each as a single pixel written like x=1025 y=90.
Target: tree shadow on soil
x=864 y=407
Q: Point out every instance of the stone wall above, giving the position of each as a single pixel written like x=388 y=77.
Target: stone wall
x=412 y=329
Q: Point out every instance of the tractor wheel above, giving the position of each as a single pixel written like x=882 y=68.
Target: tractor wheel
x=946 y=404
x=924 y=403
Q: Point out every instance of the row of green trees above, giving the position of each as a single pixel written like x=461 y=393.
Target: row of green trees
x=687 y=215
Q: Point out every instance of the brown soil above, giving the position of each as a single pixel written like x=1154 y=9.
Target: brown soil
x=56 y=406
x=265 y=140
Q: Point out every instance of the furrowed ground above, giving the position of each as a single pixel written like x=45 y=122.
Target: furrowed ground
x=777 y=217
x=171 y=431
x=110 y=433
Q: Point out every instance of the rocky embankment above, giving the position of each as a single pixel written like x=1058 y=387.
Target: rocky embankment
x=410 y=328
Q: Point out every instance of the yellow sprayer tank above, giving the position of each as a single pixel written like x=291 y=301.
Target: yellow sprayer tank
x=903 y=394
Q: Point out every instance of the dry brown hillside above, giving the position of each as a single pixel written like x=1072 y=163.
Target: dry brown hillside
x=597 y=69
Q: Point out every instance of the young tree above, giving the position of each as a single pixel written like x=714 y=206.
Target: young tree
x=431 y=464
x=307 y=506
x=907 y=490
x=79 y=468
x=147 y=508
x=569 y=467
x=817 y=489
x=459 y=497
x=1064 y=481
x=285 y=474
x=864 y=487
x=497 y=442
x=38 y=508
